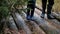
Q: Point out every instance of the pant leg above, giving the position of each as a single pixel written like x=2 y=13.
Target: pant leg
x=44 y=2
x=50 y=5
x=28 y=8
x=33 y=7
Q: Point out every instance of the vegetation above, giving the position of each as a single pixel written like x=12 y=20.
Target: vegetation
x=56 y=6
x=7 y=6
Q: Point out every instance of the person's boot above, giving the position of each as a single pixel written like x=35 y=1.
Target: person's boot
x=49 y=16
x=28 y=17
x=32 y=18
x=42 y=15
x=49 y=8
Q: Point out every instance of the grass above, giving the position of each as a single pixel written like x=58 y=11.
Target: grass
x=56 y=6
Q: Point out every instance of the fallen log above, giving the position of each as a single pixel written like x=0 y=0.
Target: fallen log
x=12 y=26
x=57 y=16
x=21 y=24
x=46 y=26
x=48 y=29
x=33 y=26
x=53 y=22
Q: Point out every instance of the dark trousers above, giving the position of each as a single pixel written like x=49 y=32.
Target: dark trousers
x=49 y=6
x=31 y=7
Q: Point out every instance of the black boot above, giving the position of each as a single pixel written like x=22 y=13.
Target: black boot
x=49 y=16
x=49 y=8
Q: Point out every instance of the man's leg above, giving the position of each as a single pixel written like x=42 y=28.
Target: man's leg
x=44 y=2
x=28 y=10
x=32 y=8
x=49 y=8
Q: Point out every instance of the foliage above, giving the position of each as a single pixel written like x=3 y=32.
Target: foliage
x=6 y=5
x=3 y=12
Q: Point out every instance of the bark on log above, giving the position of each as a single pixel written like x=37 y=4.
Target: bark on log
x=54 y=22
x=46 y=26
x=12 y=25
x=21 y=24
x=49 y=29
x=57 y=16
x=35 y=28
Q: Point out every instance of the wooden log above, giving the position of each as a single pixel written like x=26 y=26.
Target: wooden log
x=53 y=22
x=21 y=23
x=49 y=29
x=20 y=29
x=57 y=16
x=37 y=30
x=32 y=24
x=46 y=26
x=34 y=27
x=12 y=26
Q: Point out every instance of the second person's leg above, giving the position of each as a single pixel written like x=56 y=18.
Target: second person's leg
x=44 y=2
x=28 y=10
x=49 y=8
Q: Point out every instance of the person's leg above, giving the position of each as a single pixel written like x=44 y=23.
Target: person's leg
x=32 y=9
x=44 y=2
x=50 y=5
x=28 y=10
x=49 y=8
